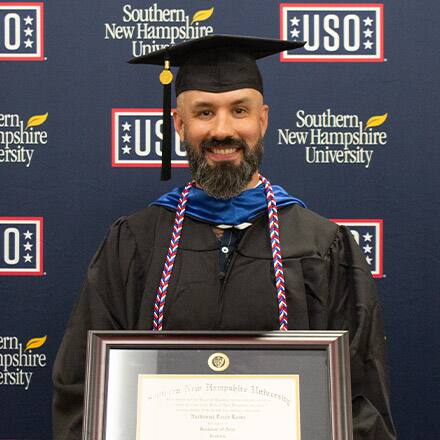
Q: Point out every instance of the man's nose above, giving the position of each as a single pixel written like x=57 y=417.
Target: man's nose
x=222 y=127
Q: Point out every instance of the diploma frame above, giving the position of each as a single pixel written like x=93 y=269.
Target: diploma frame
x=333 y=344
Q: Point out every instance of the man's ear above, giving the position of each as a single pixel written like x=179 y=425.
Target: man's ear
x=178 y=124
x=264 y=118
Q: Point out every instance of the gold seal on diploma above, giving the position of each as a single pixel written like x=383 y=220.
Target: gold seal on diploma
x=218 y=362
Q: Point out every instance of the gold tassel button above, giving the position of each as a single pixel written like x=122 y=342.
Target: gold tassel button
x=166 y=76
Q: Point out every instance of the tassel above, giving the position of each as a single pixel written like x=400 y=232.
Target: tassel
x=166 y=78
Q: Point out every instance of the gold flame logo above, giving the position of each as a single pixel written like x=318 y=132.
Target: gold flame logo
x=35 y=343
x=202 y=15
x=375 y=121
x=35 y=121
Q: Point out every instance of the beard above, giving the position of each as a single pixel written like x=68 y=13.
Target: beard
x=224 y=180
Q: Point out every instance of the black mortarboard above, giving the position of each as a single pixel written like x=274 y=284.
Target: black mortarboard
x=216 y=63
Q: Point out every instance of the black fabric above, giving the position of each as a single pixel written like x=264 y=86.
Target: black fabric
x=227 y=244
x=219 y=71
x=256 y=47
x=166 y=143
x=218 y=63
x=328 y=286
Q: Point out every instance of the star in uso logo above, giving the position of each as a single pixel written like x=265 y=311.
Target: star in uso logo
x=18 y=362
x=21 y=31
x=21 y=245
x=333 y=32
x=137 y=139
x=368 y=234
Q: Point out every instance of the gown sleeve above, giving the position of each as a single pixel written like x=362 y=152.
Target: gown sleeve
x=101 y=305
x=353 y=305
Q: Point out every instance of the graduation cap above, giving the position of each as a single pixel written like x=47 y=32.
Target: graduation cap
x=216 y=63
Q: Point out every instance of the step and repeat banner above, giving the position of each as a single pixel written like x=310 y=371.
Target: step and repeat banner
x=353 y=132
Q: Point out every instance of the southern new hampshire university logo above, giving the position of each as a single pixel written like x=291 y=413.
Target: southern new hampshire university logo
x=333 y=31
x=19 y=362
x=368 y=234
x=20 y=138
x=137 y=139
x=333 y=138
x=21 y=31
x=21 y=246
x=153 y=26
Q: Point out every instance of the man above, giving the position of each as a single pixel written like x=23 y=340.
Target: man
x=243 y=255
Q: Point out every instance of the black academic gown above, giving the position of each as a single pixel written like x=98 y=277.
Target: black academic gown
x=328 y=287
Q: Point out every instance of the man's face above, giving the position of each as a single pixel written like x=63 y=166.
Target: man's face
x=222 y=133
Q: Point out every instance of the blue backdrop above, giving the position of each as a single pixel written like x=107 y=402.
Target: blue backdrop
x=353 y=132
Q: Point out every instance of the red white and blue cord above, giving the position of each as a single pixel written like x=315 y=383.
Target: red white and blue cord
x=162 y=291
x=274 y=234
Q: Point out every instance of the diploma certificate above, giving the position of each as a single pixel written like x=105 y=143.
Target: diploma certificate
x=229 y=407
x=188 y=385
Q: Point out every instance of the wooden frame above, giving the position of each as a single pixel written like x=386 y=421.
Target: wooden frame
x=332 y=346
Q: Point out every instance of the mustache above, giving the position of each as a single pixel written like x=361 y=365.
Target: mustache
x=229 y=141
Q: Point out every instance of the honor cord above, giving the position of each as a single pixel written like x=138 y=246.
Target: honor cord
x=274 y=234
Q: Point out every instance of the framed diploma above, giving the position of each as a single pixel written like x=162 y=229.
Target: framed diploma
x=217 y=385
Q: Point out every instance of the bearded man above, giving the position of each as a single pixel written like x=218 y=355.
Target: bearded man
x=222 y=270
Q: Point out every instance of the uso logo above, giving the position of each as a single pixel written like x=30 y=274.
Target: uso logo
x=137 y=138
x=333 y=32
x=21 y=31
x=21 y=245
x=368 y=234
